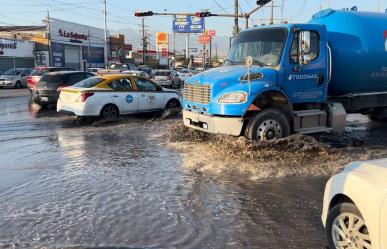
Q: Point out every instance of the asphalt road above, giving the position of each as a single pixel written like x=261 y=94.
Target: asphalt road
x=65 y=184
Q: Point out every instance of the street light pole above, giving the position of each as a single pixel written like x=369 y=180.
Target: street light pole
x=105 y=35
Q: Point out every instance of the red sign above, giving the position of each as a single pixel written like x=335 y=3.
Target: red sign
x=72 y=35
x=150 y=52
x=128 y=47
x=211 y=32
x=204 y=39
x=164 y=52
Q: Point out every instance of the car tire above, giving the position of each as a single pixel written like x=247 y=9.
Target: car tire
x=109 y=112
x=349 y=237
x=173 y=103
x=267 y=125
x=17 y=85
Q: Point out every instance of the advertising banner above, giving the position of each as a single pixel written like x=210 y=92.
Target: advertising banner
x=16 y=48
x=188 y=24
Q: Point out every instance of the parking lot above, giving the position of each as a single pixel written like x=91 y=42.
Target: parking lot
x=66 y=183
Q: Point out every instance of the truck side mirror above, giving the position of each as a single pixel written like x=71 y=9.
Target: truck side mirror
x=304 y=47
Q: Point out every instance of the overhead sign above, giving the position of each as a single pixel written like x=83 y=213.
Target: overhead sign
x=204 y=39
x=16 y=48
x=188 y=24
x=210 y=32
x=161 y=38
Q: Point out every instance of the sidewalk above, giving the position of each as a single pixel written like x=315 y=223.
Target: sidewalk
x=11 y=93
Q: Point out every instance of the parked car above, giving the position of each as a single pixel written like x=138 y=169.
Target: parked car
x=136 y=73
x=94 y=70
x=355 y=206
x=50 y=85
x=167 y=78
x=107 y=96
x=36 y=74
x=145 y=69
x=15 y=78
x=123 y=66
x=184 y=74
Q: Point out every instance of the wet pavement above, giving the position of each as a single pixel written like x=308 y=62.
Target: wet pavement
x=65 y=183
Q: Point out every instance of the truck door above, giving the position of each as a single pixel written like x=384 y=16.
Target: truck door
x=307 y=82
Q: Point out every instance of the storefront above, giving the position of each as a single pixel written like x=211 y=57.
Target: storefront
x=16 y=54
x=75 y=45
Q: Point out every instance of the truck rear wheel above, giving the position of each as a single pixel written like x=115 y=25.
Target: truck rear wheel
x=267 y=125
x=378 y=115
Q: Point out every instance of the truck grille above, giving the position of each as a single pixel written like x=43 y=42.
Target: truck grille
x=197 y=93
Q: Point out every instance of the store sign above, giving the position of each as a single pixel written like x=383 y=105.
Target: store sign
x=204 y=39
x=75 y=34
x=16 y=48
x=210 y=32
x=161 y=38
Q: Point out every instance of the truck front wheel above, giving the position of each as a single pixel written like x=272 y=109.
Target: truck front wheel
x=267 y=125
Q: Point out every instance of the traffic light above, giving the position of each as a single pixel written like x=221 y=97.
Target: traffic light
x=146 y=13
x=263 y=2
x=203 y=14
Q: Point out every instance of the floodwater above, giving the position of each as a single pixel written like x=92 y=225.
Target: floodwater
x=69 y=184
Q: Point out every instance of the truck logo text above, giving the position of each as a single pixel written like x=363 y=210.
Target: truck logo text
x=303 y=76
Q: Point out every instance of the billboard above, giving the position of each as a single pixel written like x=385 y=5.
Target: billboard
x=188 y=24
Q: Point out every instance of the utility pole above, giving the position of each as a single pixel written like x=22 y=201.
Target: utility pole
x=49 y=40
x=187 y=46
x=236 y=25
x=378 y=5
x=144 y=52
x=272 y=12
x=105 y=35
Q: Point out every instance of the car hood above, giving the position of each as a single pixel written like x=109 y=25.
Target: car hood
x=228 y=76
x=4 y=76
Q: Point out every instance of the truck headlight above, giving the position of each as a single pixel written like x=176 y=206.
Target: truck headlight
x=236 y=97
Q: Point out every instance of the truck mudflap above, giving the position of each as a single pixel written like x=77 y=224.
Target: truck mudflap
x=212 y=124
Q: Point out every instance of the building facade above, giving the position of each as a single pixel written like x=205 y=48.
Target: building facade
x=75 y=45
x=16 y=54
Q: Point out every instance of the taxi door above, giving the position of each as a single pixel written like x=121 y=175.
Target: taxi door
x=124 y=97
x=383 y=224
x=150 y=95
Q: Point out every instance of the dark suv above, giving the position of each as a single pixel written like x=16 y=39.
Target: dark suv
x=38 y=72
x=49 y=86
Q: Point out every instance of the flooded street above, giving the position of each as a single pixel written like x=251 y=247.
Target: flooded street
x=65 y=183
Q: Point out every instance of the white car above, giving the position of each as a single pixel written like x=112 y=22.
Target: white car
x=136 y=73
x=110 y=95
x=184 y=74
x=15 y=78
x=355 y=206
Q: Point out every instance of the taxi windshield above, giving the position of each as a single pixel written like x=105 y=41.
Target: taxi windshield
x=89 y=82
x=263 y=45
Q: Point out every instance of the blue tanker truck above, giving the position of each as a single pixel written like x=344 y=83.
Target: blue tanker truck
x=297 y=78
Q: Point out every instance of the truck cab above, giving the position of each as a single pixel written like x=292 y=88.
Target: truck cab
x=282 y=90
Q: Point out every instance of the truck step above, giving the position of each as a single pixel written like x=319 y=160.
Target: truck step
x=306 y=113
x=314 y=130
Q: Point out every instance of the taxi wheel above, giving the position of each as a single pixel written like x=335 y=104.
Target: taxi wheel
x=173 y=103
x=109 y=112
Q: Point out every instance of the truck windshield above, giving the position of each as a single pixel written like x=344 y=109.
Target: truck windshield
x=264 y=45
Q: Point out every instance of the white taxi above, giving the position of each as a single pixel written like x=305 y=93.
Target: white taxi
x=111 y=95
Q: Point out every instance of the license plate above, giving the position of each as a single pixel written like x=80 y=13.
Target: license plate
x=44 y=99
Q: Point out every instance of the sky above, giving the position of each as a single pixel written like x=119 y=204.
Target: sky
x=121 y=12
